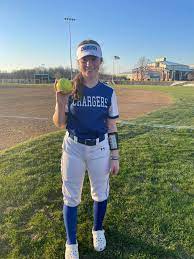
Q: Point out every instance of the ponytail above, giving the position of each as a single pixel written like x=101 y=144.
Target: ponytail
x=78 y=83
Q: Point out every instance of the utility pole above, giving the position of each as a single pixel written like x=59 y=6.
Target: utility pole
x=113 y=70
x=69 y=20
x=113 y=67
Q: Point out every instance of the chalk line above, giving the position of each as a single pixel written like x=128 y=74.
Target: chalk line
x=121 y=122
x=155 y=125
x=23 y=117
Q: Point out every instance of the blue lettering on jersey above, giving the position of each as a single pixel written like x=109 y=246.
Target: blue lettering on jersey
x=92 y=101
x=87 y=118
x=89 y=47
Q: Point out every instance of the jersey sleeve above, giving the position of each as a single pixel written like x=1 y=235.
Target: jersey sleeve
x=113 y=109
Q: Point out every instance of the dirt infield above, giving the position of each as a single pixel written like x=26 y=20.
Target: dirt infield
x=27 y=112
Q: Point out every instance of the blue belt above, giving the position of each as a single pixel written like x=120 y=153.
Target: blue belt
x=88 y=142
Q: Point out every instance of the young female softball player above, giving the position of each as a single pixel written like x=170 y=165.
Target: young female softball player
x=91 y=143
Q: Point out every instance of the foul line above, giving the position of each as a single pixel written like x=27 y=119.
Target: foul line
x=121 y=122
x=23 y=117
x=155 y=125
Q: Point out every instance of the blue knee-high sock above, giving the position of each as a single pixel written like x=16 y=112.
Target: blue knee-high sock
x=70 y=221
x=99 y=213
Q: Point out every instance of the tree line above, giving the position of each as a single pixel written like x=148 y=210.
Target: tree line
x=54 y=73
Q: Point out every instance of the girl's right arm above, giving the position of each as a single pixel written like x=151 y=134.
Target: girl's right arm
x=59 y=117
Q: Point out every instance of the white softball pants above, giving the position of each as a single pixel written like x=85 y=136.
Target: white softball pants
x=76 y=159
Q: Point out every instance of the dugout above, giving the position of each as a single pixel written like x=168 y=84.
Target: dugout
x=41 y=78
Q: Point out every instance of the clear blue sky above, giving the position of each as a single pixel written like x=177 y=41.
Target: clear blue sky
x=33 y=32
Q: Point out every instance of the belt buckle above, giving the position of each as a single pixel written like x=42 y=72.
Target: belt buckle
x=89 y=141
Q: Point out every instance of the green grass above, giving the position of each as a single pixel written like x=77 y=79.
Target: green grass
x=150 y=210
x=180 y=113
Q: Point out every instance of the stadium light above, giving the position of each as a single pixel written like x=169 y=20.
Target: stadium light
x=69 y=20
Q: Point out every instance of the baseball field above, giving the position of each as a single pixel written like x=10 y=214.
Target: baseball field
x=150 y=210
x=26 y=112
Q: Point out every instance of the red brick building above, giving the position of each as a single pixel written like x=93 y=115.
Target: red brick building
x=162 y=70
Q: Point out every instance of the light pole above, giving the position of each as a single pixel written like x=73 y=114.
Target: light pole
x=69 y=20
x=113 y=67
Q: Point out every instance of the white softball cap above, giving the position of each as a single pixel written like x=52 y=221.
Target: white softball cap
x=89 y=50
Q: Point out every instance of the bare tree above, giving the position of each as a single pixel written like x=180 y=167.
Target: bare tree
x=142 y=68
